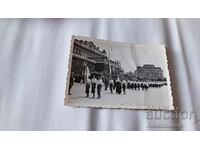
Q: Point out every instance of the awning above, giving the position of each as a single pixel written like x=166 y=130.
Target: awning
x=83 y=58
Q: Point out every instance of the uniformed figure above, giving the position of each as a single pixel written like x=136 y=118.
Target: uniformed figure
x=128 y=84
x=71 y=82
x=146 y=86
x=142 y=86
x=87 y=87
x=118 y=86
x=138 y=86
x=99 y=86
x=106 y=82
x=111 y=83
x=124 y=86
x=135 y=86
x=93 y=83
x=132 y=85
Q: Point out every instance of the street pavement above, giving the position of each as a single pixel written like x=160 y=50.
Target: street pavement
x=151 y=98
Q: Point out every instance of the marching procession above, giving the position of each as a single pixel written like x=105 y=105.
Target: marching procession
x=95 y=84
x=97 y=71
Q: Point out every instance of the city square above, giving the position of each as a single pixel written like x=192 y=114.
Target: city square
x=132 y=99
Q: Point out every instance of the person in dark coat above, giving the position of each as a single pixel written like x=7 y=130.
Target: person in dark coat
x=134 y=86
x=138 y=86
x=131 y=85
x=106 y=82
x=87 y=87
x=128 y=85
x=114 y=84
x=142 y=86
x=71 y=83
x=124 y=86
x=118 y=86
x=93 y=83
x=146 y=86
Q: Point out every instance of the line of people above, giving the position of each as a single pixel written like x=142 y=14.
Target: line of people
x=144 y=85
x=96 y=84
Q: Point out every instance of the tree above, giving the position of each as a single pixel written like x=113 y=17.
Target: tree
x=129 y=75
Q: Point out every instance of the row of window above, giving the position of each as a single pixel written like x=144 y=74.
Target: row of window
x=77 y=51
x=150 y=75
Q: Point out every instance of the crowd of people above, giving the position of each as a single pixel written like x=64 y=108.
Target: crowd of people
x=94 y=84
x=118 y=85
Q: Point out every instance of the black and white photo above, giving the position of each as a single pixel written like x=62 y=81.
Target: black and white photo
x=106 y=74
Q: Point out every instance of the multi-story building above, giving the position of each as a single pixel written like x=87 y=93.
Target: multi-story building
x=149 y=72
x=87 y=54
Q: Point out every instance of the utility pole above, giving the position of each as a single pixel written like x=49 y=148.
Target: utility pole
x=109 y=66
x=85 y=71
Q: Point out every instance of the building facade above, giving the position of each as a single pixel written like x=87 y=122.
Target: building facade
x=87 y=54
x=149 y=72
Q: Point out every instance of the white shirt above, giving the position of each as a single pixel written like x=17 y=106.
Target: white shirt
x=94 y=80
x=123 y=81
x=111 y=81
x=118 y=81
x=100 y=81
x=88 y=81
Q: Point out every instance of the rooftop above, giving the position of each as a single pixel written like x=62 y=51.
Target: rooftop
x=90 y=46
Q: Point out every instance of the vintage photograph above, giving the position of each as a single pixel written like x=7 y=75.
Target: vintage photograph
x=106 y=74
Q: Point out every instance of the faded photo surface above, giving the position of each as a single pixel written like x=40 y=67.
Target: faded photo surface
x=110 y=74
